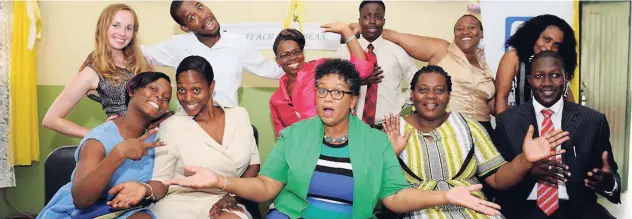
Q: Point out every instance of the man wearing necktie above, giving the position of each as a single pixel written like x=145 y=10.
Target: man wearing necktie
x=381 y=93
x=567 y=185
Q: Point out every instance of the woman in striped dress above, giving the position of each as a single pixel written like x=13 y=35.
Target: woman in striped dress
x=441 y=150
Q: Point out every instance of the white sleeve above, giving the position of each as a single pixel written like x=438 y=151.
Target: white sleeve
x=408 y=70
x=163 y=53
x=258 y=65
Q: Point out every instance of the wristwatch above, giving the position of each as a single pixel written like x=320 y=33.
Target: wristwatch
x=614 y=188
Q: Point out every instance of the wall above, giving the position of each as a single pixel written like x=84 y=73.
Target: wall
x=68 y=35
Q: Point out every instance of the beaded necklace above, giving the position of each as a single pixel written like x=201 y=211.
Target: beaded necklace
x=337 y=140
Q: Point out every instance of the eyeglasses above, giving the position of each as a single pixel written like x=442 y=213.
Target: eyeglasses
x=288 y=55
x=336 y=94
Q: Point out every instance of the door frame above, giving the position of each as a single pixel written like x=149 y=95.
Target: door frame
x=624 y=169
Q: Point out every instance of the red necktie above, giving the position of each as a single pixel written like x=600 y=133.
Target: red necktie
x=547 y=192
x=370 y=101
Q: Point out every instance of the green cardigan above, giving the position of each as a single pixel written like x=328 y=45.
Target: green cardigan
x=376 y=171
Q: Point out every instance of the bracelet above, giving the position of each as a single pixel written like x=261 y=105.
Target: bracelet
x=350 y=39
x=225 y=182
x=614 y=188
x=151 y=196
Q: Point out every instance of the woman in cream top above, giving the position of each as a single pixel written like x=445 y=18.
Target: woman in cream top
x=188 y=144
x=474 y=89
x=216 y=138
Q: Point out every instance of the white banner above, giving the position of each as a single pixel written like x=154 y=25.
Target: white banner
x=502 y=18
x=262 y=35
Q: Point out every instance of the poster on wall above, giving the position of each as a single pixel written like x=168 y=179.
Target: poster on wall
x=262 y=35
x=502 y=18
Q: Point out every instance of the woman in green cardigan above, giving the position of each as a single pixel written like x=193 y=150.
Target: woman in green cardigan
x=333 y=165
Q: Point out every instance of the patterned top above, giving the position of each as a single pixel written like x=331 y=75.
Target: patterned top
x=330 y=193
x=110 y=95
x=437 y=157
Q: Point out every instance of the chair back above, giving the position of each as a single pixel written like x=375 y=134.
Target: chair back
x=58 y=169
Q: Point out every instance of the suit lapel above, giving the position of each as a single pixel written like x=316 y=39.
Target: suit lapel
x=570 y=123
x=528 y=117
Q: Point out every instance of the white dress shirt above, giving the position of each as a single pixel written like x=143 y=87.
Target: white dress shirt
x=397 y=66
x=557 y=124
x=228 y=57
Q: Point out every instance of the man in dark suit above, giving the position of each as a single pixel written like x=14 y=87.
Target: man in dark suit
x=565 y=186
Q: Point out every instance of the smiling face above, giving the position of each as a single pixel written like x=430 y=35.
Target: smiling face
x=333 y=100
x=198 y=19
x=547 y=80
x=431 y=96
x=467 y=33
x=371 y=21
x=290 y=57
x=121 y=30
x=194 y=93
x=550 y=39
x=153 y=99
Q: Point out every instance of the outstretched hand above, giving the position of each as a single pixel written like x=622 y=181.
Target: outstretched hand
x=462 y=196
x=136 y=148
x=544 y=146
x=199 y=178
x=391 y=126
x=336 y=27
x=127 y=194
x=602 y=179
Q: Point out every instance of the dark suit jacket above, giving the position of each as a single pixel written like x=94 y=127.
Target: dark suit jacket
x=589 y=138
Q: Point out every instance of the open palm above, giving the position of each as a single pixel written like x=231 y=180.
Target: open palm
x=462 y=196
x=127 y=194
x=200 y=178
x=391 y=127
x=544 y=146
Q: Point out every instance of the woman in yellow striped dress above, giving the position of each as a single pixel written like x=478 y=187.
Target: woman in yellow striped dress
x=441 y=149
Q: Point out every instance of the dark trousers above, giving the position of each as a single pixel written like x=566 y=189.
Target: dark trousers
x=488 y=127
x=530 y=210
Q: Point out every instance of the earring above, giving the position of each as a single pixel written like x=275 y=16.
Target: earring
x=353 y=111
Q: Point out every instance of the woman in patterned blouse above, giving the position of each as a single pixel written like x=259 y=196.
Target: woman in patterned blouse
x=449 y=150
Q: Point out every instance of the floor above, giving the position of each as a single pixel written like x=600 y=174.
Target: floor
x=623 y=210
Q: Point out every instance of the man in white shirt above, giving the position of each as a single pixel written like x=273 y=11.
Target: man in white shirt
x=229 y=54
x=392 y=62
x=565 y=186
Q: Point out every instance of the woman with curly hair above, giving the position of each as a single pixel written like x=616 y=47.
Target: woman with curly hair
x=541 y=33
x=474 y=91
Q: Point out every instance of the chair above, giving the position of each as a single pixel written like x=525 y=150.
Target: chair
x=252 y=207
x=58 y=168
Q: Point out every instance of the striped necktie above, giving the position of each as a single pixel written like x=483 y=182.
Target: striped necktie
x=370 y=101
x=548 y=199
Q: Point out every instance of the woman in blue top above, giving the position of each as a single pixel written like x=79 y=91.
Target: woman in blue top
x=115 y=152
